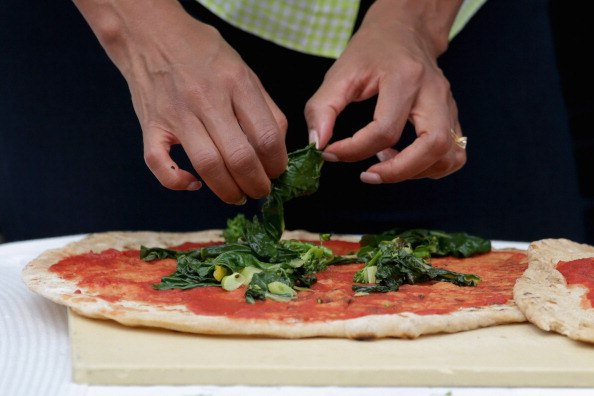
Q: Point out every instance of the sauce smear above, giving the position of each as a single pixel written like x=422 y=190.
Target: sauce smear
x=121 y=275
x=580 y=273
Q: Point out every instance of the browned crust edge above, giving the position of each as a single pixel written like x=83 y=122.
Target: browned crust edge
x=406 y=325
x=543 y=295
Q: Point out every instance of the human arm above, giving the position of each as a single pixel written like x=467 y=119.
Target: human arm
x=394 y=55
x=190 y=87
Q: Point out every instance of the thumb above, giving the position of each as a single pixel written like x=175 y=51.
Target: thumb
x=322 y=109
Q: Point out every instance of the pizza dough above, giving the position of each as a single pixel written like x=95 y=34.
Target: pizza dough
x=177 y=317
x=545 y=298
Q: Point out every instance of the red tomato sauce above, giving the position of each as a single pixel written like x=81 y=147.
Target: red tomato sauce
x=113 y=275
x=580 y=273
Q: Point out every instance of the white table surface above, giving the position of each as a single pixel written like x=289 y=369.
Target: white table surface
x=35 y=354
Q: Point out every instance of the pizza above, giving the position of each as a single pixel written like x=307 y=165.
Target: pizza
x=556 y=292
x=102 y=276
x=256 y=279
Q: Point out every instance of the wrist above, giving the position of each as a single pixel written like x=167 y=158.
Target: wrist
x=124 y=27
x=429 y=20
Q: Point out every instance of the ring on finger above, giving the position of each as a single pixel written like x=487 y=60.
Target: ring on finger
x=460 y=141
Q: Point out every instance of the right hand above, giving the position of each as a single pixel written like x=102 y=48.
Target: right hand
x=190 y=87
x=393 y=56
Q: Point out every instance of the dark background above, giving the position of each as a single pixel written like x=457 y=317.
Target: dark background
x=573 y=34
x=56 y=84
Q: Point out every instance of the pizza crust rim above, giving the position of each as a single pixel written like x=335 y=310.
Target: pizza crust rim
x=543 y=295
x=404 y=325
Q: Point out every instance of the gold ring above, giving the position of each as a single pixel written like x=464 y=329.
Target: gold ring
x=461 y=141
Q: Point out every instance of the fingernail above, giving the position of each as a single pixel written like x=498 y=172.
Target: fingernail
x=371 y=178
x=382 y=156
x=329 y=157
x=242 y=201
x=194 y=186
x=313 y=138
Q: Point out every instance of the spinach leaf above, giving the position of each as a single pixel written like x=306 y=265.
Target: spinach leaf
x=301 y=178
x=190 y=273
x=150 y=254
x=235 y=229
x=427 y=243
x=255 y=256
x=313 y=258
x=258 y=288
x=394 y=263
x=275 y=266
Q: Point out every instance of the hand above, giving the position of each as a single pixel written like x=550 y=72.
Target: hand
x=190 y=87
x=393 y=55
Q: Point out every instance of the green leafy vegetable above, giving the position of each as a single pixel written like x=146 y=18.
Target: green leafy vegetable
x=392 y=263
x=301 y=178
x=254 y=255
x=427 y=243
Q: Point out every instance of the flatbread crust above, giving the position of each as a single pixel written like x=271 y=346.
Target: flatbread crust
x=131 y=313
x=544 y=296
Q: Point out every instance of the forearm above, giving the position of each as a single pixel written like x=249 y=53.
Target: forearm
x=190 y=87
x=124 y=26
x=428 y=19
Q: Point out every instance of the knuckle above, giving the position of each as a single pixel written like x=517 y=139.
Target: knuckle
x=151 y=158
x=413 y=70
x=274 y=158
x=199 y=94
x=386 y=135
x=268 y=141
x=234 y=74
x=242 y=159
x=310 y=107
x=441 y=86
x=206 y=162
x=441 y=143
x=282 y=122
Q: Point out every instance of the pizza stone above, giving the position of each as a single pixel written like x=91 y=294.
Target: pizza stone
x=177 y=317
x=543 y=295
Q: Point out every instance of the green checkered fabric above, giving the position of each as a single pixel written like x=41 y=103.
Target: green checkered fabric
x=466 y=11
x=317 y=27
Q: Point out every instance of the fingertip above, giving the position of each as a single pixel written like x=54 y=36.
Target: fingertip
x=242 y=201
x=194 y=186
x=386 y=154
x=330 y=157
x=320 y=121
x=314 y=138
x=371 y=178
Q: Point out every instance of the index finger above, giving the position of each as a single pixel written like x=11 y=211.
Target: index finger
x=432 y=119
x=410 y=162
x=264 y=125
x=391 y=112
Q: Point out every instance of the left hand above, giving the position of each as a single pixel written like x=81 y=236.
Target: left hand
x=394 y=55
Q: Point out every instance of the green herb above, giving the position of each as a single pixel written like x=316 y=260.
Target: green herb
x=254 y=255
x=392 y=263
x=301 y=178
x=428 y=243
